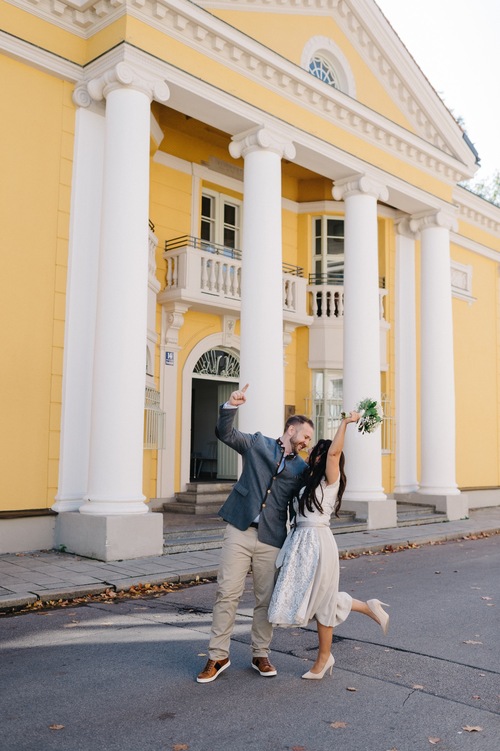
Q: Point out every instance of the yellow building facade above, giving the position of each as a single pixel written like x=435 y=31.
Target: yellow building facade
x=197 y=194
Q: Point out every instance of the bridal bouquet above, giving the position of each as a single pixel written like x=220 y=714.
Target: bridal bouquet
x=371 y=415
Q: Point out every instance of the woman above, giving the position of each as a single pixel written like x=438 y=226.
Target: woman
x=308 y=582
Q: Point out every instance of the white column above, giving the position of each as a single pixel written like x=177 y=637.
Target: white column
x=81 y=297
x=261 y=281
x=406 y=362
x=172 y=321
x=116 y=450
x=362 y=345
x=437 y=379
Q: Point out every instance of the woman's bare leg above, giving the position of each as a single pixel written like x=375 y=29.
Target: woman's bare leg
x=325 y=636
x=374 y=609
x=361 y=607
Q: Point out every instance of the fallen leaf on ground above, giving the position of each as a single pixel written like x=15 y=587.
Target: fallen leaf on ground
x=56 y=727
x=472 y=728
x=351 y=688
x=417 y=685
x=298 y=748
x=434 y=740
x=338 y=724
x=180 y=747
x=475 y=697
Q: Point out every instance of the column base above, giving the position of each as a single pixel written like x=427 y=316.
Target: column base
x=68 y=504
x=110 y=538
x=378 y=514
x=403 y=492
x=455 y=505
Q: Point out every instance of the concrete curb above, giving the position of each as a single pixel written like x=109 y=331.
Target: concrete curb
x=182 y=568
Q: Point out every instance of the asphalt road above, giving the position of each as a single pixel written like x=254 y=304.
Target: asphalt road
x=121 y=676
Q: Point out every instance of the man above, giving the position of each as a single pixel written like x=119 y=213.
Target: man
x=256 y=511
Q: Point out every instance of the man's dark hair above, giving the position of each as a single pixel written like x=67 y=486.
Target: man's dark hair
x=298 y=420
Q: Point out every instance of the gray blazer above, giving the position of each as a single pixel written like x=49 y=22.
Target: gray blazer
x=260 y=489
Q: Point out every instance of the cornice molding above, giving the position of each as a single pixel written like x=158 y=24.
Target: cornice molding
x=384 y=52
x=476 y=210
x=39 y=58
x=195 y=27
x=475 y=247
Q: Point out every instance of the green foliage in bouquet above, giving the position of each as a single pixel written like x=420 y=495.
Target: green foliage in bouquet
x=371 y=415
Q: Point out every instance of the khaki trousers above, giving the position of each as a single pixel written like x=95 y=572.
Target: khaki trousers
x=240 y=550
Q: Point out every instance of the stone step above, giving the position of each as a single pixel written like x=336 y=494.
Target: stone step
x=210 y=537
x=203 y=488
x=189 y=498
x=191 y=507
x=200 y=498
x=415 y=513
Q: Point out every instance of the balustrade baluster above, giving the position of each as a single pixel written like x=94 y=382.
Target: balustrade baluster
x=219 y=280
x=211 y=275
x=204 y=273
x=238 y=283
x=175 y=271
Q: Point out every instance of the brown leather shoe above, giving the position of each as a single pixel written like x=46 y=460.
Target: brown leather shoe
x=212 y=669
x=264 y=667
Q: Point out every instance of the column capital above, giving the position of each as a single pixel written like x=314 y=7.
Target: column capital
x=434 y=218
x=403 y=227
x=121 y=75
x=261 y=138
x=81 y=96
x=359 y=185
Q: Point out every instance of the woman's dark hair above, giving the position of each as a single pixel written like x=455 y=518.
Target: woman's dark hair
x=317 y=470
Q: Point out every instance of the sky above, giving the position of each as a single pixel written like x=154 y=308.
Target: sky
x=455 y=43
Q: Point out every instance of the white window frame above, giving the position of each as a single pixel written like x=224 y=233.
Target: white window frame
x=325 y=406
x=324 y=218
x=220 y=201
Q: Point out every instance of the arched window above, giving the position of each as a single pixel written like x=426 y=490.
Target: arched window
x=326 y=61
x=324 y=70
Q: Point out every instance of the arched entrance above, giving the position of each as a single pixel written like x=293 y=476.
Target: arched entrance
x=215 y=375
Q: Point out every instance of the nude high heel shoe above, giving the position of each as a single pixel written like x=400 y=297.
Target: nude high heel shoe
x=379 y=612
x=318 y=676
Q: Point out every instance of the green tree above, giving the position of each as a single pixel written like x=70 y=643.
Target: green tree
x=487 y=188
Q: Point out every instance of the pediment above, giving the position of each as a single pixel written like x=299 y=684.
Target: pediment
x=408 y=120
x=384 y=53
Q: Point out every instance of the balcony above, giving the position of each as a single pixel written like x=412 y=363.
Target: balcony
x=326 y=305
x=207 y=277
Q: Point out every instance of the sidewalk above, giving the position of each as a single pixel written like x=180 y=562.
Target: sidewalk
x=50 y=575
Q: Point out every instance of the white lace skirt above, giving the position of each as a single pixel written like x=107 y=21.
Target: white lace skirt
x=308 y=582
